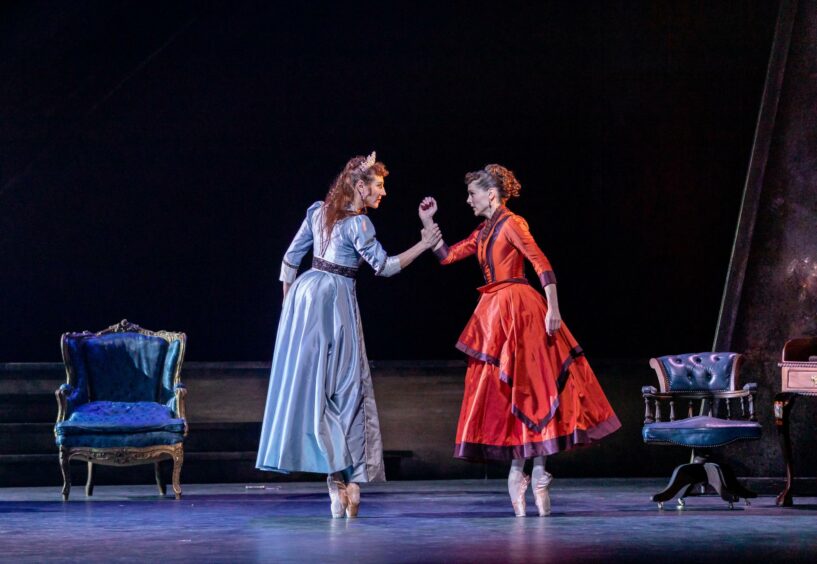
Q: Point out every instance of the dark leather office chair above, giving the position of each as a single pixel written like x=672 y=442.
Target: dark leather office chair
x=698 y=405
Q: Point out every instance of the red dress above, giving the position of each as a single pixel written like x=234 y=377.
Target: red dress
x=526 y=394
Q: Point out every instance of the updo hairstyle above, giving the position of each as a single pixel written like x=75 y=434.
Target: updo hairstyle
x=496 y=176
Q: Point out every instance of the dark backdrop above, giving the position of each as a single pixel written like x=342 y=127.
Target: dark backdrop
x=156 y=158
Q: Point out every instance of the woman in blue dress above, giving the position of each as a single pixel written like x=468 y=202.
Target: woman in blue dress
x=321 y=414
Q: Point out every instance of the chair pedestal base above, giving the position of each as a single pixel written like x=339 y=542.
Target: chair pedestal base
x=704 y=474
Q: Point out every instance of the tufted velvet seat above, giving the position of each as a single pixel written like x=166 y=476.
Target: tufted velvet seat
x=123 y=401
x=698 y=406
x=110 y=417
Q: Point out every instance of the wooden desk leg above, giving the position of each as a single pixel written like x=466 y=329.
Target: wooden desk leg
x=783 y=403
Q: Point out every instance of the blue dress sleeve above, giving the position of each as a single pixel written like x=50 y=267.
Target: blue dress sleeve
x=299 y=246
x=367 y=246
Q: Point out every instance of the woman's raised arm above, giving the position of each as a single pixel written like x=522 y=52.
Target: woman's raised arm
x=373 y=253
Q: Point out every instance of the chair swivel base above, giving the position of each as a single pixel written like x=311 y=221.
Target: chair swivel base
x=704 y=474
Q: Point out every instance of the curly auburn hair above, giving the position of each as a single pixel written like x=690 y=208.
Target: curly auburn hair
x=496 y=176
x=342 y=192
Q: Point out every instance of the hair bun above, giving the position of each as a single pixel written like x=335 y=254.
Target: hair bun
x=505 y=180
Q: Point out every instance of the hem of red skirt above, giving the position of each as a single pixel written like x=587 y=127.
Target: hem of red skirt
x=478 y=452
x=477 y=355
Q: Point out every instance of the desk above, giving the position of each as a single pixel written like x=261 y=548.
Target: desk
x=798 y=378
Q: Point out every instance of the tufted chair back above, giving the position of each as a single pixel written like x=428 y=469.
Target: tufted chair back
x=127 y=366
x=707 y=371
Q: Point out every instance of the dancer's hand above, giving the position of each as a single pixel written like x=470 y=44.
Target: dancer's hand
x=431 y=235
x=427 y=209
x=553 y=321
x=286 y=289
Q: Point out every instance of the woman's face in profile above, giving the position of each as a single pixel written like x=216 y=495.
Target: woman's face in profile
x=376 y=192
x=478 y=199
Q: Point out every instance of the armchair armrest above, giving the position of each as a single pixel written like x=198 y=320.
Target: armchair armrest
x=751 y=391
x=63 y=393
x=707 y=401
x=179 y=393
x=649 y=392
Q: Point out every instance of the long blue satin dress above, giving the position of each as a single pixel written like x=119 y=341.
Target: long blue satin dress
x=321 y=414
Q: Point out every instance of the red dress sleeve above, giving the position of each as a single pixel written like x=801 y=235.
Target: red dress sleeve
x=458 y=251
x=520 y=237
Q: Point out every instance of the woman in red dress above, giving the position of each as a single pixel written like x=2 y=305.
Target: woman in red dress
x=529 y=391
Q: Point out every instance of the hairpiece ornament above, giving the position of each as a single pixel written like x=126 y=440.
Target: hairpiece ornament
x=368 y=162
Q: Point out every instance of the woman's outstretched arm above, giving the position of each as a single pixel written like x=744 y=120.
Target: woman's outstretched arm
x=426 y=211
x=430 y=237
x=446 y=254
x=367 y=245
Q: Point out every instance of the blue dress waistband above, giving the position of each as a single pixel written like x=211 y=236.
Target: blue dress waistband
x=332 y=268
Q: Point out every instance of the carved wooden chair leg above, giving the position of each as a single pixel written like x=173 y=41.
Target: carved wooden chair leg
x=89 y=485
x=160 y=477
x=65 y=467
x=178 y=460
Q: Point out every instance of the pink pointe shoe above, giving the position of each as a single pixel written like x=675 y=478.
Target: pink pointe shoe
x=541 y=494
x=338 y=497
x=519 y=504
x=353 y=495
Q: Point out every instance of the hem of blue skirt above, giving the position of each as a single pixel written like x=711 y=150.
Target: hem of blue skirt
x=350 y=477
x=273 y=469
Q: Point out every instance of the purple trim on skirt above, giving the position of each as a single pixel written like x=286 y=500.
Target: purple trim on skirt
x=561 y=382
x=547 y=277
x=477 y=452
x=476 y=354
x=530 y=424
x=505 y=378
x=564 y=372
x=442 y=252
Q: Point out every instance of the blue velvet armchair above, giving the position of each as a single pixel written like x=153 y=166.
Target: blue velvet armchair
x=123 y=403
x=705 y=410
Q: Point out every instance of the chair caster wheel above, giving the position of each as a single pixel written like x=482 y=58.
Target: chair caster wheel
x=681 y=503
x=731 y=505
x=748 y=503
x=660 y=505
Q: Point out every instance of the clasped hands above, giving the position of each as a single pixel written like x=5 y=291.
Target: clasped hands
x=431 y=234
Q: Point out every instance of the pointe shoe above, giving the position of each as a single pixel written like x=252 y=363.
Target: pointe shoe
x=541 y=493
x=338 y=497
x=353 y=493
x=519 y=504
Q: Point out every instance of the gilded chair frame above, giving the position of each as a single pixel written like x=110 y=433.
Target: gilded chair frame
x=123 y=456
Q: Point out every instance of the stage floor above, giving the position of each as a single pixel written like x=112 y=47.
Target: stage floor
x=434 y=521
